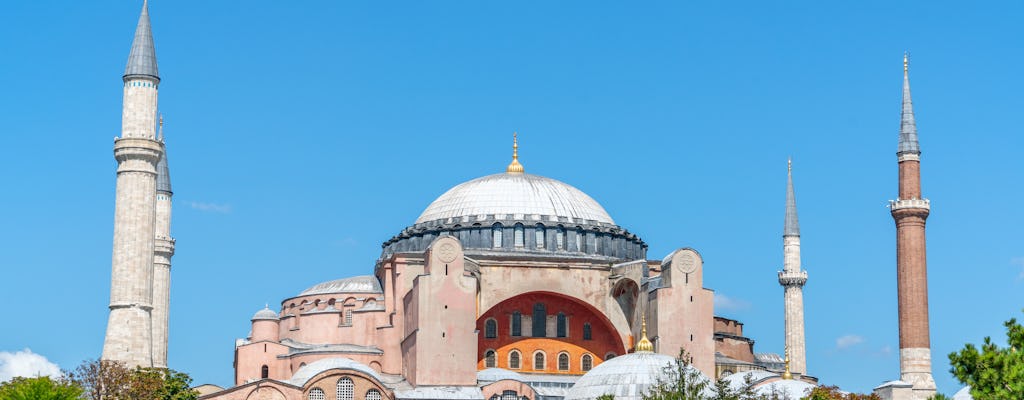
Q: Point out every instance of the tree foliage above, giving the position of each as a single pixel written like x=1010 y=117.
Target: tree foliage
x=112 y=380
x=39 y=388
x=993 y=372
x=833 y=393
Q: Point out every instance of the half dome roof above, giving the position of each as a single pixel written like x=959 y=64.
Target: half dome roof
x=516 y=194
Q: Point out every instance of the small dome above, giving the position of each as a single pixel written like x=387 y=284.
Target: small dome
x=627 y=377
x=785 y=388
x=355 y=284
x=498 y=374
x=265 y=314
x=515 y=193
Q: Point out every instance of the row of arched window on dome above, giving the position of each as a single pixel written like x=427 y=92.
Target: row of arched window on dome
x=539 y=330
x=519 y=236
x=508 y=395
x=345 y=390
x=540 y=360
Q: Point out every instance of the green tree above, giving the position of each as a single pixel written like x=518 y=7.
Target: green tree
x=681 y=382
x=833 y=393
x=40 y=388
x=112 y=380
x=993 y=372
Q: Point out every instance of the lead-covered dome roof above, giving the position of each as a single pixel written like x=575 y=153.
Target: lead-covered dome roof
x=628 y=377
x=516 y=194
x=355 y=284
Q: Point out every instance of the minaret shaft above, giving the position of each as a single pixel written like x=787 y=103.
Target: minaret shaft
x=910 y=211
x=164 y=250
x=792 y=278
x=130 y=325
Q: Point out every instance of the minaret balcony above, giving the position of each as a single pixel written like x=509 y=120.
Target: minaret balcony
x=792 y=278
x=900 y=204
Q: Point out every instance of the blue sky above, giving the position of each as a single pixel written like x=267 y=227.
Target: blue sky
x=303 y=134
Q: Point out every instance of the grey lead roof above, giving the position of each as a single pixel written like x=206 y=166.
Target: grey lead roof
x=908 y=128
x=142 y=59
x=163 y=174
x=792 y=227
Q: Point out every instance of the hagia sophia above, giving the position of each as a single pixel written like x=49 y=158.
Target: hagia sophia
x=510 y=286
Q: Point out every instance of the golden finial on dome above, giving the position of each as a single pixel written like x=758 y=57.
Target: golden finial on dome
x=644 y=344
x=786 y=374
x=515 y=167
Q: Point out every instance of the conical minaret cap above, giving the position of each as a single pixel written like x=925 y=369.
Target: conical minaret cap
x=142 y=59
x=908 y=127
x=163 y=173
x=792 y=227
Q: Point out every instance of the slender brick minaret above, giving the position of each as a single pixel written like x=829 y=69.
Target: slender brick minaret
x=129 y=327
x=792 y=279
x=910 y=210
x=163 y=252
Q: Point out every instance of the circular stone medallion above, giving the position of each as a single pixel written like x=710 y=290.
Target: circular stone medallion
x=446 y=252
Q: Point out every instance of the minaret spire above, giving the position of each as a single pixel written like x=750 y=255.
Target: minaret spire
x=908 y=127
x=142 y=59
x=792 y=279
x=792 y=227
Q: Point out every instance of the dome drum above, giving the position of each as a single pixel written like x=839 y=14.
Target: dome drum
x=523 y=236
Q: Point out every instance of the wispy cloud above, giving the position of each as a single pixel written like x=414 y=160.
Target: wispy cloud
x=211 y=207
x=1018 y=261
x=347 y=241
x=25 y=363
x=847 y=341
x=726 y=303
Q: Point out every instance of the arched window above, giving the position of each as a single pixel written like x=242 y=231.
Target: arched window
x=519 y=240
x=490 y=328
x=496 y=236
x=264 y=372
x=538 y=361
x=317 y=394
x=587 y=362
x=490 y=359
x=561 y=325
x=540 y=236
x=563 y=361
x=373 y=394
x=517 y=323
x=540 y=318
x=509 y=395
x=560 y=238
x=609 y=356
x=345 y=389
x=579 y=239
x=587 y=334
x=513 y=359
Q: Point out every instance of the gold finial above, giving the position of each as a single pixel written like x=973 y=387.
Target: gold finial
x=905 y=62
x=644 y=344
x=787 y=374
x=515 y=167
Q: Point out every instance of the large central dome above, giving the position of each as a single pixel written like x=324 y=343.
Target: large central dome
x=515 y=194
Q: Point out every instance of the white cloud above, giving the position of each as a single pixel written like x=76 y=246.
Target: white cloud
x=25 y=363
x=847 y=341
x=1018 y=261
x=211 y=207
x=726 y=303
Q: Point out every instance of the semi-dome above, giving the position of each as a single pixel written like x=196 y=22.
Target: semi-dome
x=355 y=284
x=516 y=194
x=627 y=377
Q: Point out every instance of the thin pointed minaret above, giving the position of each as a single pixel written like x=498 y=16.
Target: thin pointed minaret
x=164 y=250
x=129 y=327
x=910 y=210
x=792 y=279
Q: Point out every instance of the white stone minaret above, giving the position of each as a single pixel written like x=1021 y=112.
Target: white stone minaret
x=792 y=279
x=130 y=325
x=162 y=257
